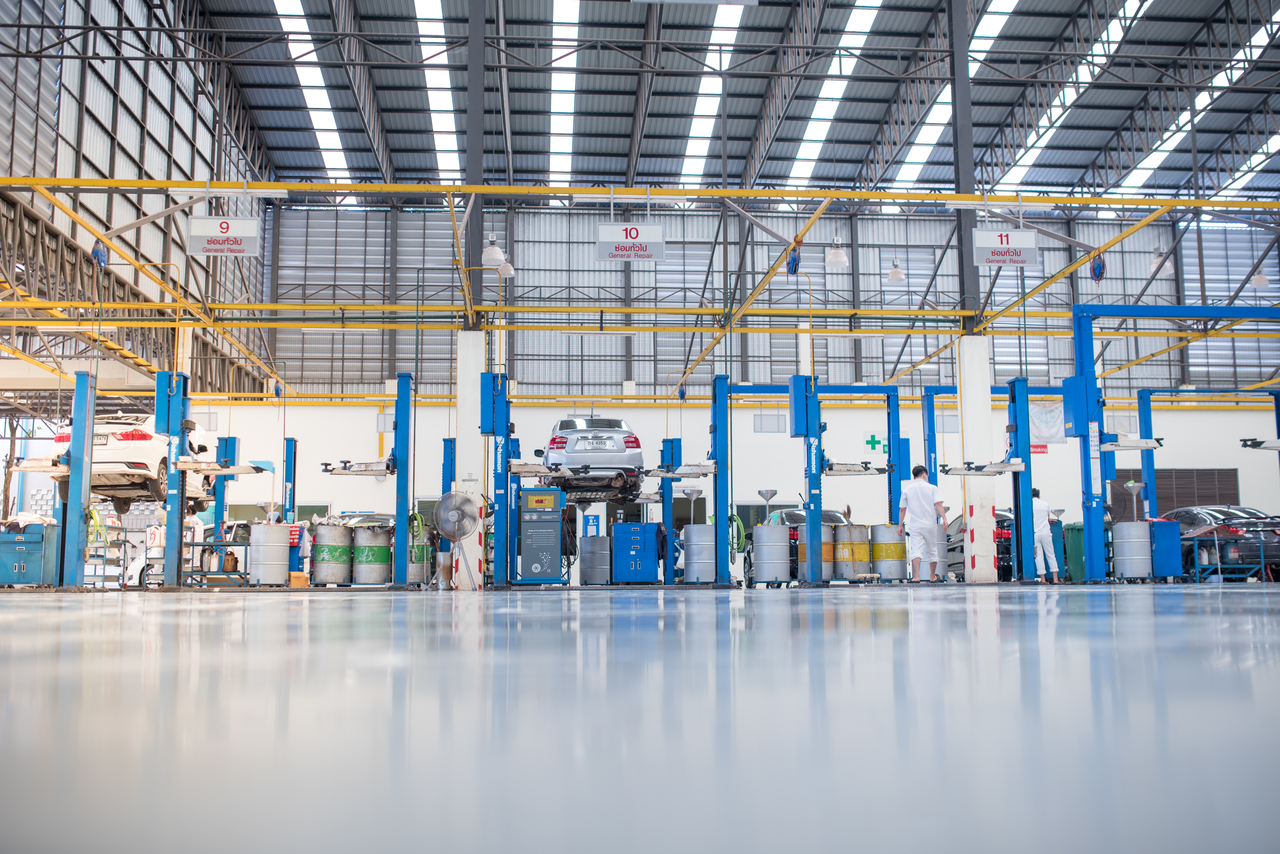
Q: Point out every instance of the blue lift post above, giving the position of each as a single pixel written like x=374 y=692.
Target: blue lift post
x=1084 y=405
x=720 y=454
x=288 y=507
x=228 y=455
x=402 y=431
x=80 y=461
x=806 y=423
x=513 y=530
x=671 y=460
x=173 y=414
x=1024 y=544
x=447 y=476
x=495 y=421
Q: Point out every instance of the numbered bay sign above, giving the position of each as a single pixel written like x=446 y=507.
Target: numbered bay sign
x=222 y=235
x=1016 y=247
x=627 y=241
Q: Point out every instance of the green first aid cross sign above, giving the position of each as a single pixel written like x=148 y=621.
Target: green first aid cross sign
x=872 y=442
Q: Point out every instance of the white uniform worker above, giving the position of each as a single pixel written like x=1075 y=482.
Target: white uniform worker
x=1043 y=536
x=920 y=512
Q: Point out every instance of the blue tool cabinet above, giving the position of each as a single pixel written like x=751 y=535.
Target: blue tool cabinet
x=30 y=557
x=635 y=554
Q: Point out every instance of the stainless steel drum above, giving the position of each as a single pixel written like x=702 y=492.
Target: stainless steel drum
x=942 y=552
x=699 y=554
x=888 y=553
x=853 y=552
x=331 y=555
x=771 y=553
x=371 y=557
x=418 y=556
x=269 y=554
x=594 y=560
x=1131 y=549
x=828 y=551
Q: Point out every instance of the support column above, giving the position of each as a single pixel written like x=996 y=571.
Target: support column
x=80 y=459
x=962 y=155
x=672 y=459
x=469 y=471
x=976 y=445
x=475 y=152
x=402 y=430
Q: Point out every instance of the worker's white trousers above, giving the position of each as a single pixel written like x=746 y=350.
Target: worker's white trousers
x=923 y=544
x=1044 y=549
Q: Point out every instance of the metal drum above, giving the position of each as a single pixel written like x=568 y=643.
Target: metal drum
x=331 y=555
x=853 y=552
x=418 y=556
x=371 y=557
x=269 y=554
x=771 y=553
x=1131 y=549
x=594 y=560
x=888 y=553
x=699 y=554
x=828 y=551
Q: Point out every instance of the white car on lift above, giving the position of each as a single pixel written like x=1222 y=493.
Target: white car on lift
x=131 y=461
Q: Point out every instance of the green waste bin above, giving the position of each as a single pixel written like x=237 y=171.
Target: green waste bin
x=1073 y=545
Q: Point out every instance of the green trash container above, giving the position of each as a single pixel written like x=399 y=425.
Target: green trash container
x=1073 y=545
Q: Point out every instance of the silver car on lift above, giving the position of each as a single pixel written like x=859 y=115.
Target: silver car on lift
x=601 y=456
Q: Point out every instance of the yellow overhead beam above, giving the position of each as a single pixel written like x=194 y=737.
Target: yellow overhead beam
x=759 y=289
x=178 y=298
x=1076 y=265
x=630 y=193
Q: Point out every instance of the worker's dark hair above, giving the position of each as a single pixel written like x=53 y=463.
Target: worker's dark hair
x=919 y=470
x=1035 y=493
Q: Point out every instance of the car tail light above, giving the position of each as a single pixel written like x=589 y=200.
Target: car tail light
x=134 y=435
x=631 y=441
x=1234 y=530
x=62 y=437
x=557 y=443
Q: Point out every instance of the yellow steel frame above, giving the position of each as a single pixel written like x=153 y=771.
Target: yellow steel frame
x=822 y=198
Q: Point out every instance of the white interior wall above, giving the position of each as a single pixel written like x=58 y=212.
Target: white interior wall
x=1193 y=439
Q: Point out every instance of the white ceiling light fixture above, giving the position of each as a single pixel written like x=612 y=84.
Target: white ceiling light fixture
x=1260 y=281
x=1162 y=272
x=492 y=256
x=837 y=258
x=896 y=276
x=505 y=270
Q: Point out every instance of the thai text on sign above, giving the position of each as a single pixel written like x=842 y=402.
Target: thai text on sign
x=626 y=241
x=998 y=248
x=220 y=235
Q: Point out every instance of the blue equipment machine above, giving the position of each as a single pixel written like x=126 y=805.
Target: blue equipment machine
x=635 y=553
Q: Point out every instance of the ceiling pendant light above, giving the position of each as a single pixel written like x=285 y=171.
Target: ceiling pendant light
x=837 y=259
x=896 y=276
x=505 y=269
x=492 y=256
x=1164 y=271
x=1260 y=281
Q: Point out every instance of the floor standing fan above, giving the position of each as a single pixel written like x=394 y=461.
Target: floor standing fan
x=456 y=518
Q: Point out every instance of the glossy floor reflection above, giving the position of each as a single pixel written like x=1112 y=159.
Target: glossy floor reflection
x=1009 y=719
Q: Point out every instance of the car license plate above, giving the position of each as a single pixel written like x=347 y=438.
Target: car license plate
x=594 y=444
x=99 y=438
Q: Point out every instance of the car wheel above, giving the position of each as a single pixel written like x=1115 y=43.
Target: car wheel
x=200 y=506
x=121 y=505
x=159 y=485
x=64 y=490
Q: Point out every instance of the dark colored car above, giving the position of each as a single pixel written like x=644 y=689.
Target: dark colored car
x=1253 y=536
x=1004 y=546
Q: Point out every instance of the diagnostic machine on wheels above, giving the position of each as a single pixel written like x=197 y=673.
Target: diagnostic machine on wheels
x=540 y=531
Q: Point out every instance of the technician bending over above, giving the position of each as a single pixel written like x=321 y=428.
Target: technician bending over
x=920 y=512
x=1043 y=537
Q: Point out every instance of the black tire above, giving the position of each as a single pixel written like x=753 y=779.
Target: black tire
x=159 y=485
x=121 y=505
x=64 y=489
x=200 y=506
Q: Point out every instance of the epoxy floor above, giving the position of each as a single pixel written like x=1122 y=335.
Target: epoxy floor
x=943 y=719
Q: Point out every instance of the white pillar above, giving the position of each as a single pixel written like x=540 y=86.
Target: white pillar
x=977 y=445
x=804 y=346
x=469 y=451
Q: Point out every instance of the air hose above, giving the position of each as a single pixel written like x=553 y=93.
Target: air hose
x=737 y=535
x=97 y=531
